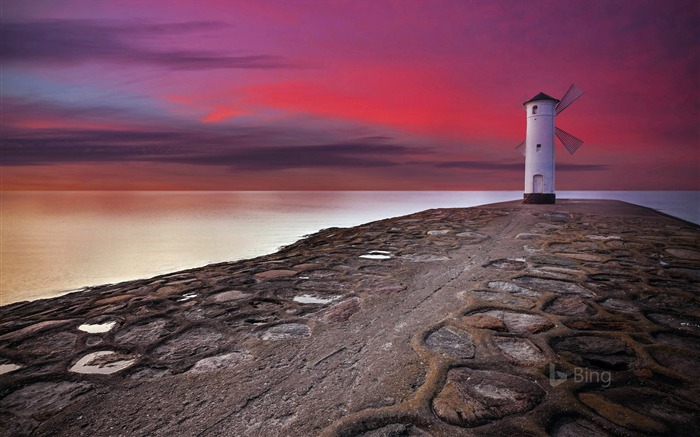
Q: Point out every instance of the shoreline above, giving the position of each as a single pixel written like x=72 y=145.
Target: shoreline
x=378 y=328
x=48 y=294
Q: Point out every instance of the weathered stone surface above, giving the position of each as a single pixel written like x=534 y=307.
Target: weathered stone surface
x=385 y=288
x=151 y=373
x=521 y=323
x=683 y=323
x=451 y=341
x=473 y=236
x=601 y=325
x=484 y=321
x=286 y=331
x=553 y=286
x=576 y=427
x=218 y=362
x=584 y=256
x=190 y=343
x=474 y=397
x=395 y=430
x=669 y=302
x=520 y=351
x=549 y=227
x=509 y=287
x=51 y=344
x=557 y=273
x=425 y=257
x=126 y=297
x=684 y=253
x=228 y=296
x=595 y=351
x=614 y=278
x=619 y=306
x=324 y=286
x=552 y=261
x=32 y=329
x=677 y=339
x=143 y=334
x=675 y=414
x=644 y=410
x=501 y=297
x=686 y=363
x=43 y=398
x=569 y=306
x=15 y=426
x=507 y=264
x=341 y=311
x=274 y=274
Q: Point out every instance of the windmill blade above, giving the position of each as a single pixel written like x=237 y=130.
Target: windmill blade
x=569 y=141
x=521 y=148
x=570 y=96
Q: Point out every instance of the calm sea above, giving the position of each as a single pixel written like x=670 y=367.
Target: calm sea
x=55 y=242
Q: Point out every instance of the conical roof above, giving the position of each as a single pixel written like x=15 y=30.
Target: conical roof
x=541 y=96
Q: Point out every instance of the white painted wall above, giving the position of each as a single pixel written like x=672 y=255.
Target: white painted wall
x=540 y=130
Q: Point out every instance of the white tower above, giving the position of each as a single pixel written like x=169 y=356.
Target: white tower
x=539 y=149
x=538 y=146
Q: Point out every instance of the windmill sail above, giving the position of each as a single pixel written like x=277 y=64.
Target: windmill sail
x=570 y=96
x=521 y=148
x=569 y=141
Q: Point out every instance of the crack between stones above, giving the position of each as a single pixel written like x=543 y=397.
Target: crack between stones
x=243 y=407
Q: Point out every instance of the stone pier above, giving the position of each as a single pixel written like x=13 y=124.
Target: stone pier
x=580 y=318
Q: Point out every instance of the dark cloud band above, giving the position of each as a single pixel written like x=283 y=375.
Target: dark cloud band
x=485 y=165
x=76 y=41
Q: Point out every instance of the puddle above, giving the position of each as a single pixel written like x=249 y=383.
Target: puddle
x=7 y=368
x=425 y=257
x=308 y=298
x=97 y=328
x=98 y=363
x=439 y=232
x=603 y=237
x=377 y=254
x=186 y=297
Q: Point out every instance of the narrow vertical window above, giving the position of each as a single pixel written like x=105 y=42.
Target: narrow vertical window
x=534 y=110
x=539 y=146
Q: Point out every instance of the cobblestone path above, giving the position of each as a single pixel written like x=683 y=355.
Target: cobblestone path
x=580 y=318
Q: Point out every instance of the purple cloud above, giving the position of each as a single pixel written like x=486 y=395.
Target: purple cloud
x=74 y=41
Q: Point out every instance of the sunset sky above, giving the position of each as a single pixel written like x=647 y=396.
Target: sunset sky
x=335 y=95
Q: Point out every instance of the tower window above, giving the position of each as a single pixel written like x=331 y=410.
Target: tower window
x=539 y=146
x=534 y=110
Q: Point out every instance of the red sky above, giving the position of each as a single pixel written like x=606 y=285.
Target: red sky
x=361 y=95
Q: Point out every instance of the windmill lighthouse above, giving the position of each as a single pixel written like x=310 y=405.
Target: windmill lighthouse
x=538 y=146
